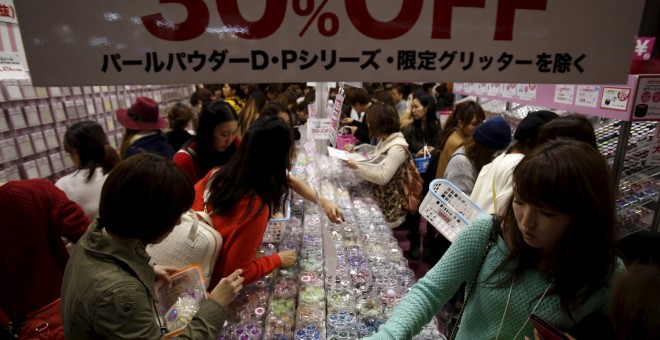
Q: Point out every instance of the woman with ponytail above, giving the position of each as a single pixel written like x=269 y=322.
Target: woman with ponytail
x=87 y=145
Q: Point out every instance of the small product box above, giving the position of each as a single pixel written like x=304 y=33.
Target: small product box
x=179 y=303
x=16 y=118
x=27 y=89
x=56 y=160
x=13 y=173
x=8 y=150
x=51 y=139
x=32 y=115
x=44 y=166
x=58 y=111
x=4 y=125
x=70 y=108
x=38 y=141
x=81 y=108
x=25 y=145
x=31 y=170
x=89 y=103
x=12 y=90
x=44 y=113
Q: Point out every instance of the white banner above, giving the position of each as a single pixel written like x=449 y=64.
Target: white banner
x=7 y=11
x=195 y=41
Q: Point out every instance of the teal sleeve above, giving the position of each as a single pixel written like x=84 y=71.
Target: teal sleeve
x=427 y=296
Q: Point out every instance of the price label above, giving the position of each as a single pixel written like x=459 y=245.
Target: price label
x=319 y=128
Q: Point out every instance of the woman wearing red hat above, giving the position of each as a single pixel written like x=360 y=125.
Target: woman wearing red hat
x=143 y=133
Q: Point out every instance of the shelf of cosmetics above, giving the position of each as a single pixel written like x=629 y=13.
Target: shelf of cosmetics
x=304 y=301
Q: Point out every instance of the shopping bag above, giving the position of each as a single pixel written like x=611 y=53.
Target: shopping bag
x=345 y=137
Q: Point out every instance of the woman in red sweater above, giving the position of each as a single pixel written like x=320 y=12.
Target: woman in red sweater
x=214 y=143
x=241 y=197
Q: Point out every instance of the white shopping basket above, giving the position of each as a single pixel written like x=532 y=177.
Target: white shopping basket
x=448 y=209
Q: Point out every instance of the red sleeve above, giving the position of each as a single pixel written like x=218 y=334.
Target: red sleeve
x=244 y=246
x=237 y=141
x=185 y=162
x=67 y=216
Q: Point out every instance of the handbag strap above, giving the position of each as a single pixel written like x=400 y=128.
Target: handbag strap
x=473 y=283
x=7 y=324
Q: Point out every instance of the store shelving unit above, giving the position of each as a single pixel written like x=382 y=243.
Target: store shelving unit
x=624 y=142
x=33 y=121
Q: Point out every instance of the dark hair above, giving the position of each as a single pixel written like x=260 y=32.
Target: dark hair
x=144 y=197
x=179 y=115
x=429 y=127
x=383 y=119
x=356 y=95
x=250 y=112
x=201 y=95
x=259 y=168
x=88 y=139
x=478 y=154
x=237 y=90
x=569 y=177
x=573 y=126
x=464 y=113
x=214 y=114
x=634 y=302
x=310 y=96
x=273 y=108
x=383 y=96
x=287 y=99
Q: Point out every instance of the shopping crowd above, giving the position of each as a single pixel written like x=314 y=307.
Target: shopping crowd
x=74 y=252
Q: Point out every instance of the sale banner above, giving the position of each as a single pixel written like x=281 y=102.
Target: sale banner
x=201 y=41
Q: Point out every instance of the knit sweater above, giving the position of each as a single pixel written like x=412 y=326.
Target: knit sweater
x=495 y=178
x=460 y=171
x=35 y=215
x=241 y=237
x=485 y=306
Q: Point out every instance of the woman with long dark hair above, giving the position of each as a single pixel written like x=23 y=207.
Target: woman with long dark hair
x=87 y=145
x=214 y=143
x=244 y=194
x=425 y=127
x=552 y=253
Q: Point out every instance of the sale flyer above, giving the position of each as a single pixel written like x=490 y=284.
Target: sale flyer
x=587 y=95
x=647 y=98
x=509 y=90
x=564 y=94
x=615 y=98
x=526 y=92
x=493 y=89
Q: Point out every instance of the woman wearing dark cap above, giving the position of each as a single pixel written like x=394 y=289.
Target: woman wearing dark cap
x=143 y=133
x=493 y=187
x=477 y=151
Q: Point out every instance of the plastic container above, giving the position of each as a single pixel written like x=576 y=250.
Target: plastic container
x=448 y=209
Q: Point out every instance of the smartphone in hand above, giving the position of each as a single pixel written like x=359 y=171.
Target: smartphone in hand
x=546 y=330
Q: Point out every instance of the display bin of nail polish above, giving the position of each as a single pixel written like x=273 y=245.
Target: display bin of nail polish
x=276 y=226
x=448 y=209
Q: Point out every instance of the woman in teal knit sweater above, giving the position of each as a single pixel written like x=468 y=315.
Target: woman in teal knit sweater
x=552 y=253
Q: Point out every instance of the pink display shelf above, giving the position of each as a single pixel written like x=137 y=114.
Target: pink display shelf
x=608 y=101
